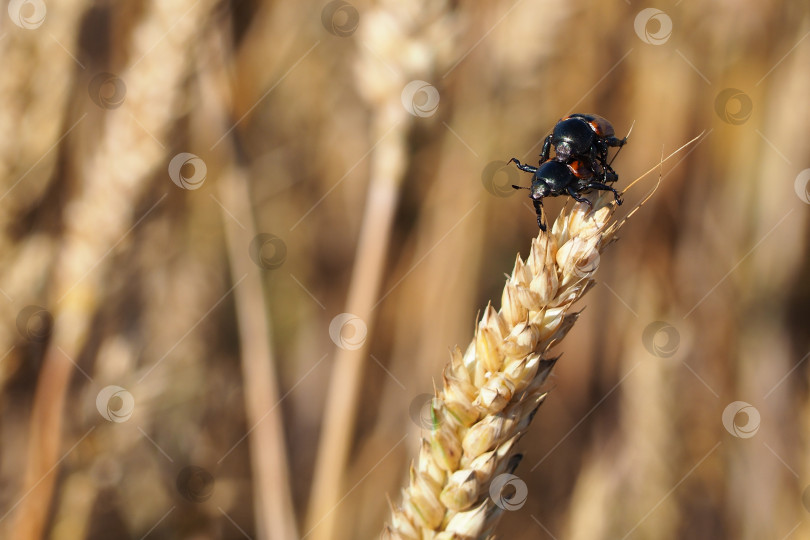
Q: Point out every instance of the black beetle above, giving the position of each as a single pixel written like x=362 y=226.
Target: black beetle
x=584 y=137
x=553 y=178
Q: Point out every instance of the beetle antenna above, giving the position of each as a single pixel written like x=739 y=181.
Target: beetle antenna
x=519 y=187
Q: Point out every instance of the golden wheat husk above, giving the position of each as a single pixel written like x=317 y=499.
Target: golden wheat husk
x=490 y=392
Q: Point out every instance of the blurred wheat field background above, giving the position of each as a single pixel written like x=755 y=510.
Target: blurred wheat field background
x=239 y=238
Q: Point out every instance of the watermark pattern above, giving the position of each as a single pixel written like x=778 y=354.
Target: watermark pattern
x=35 y=323
x=806 y=498
x=498 y=178
x=421 y=412
x=733 y=106
x=802 y=186
x=268 y=251
x=340 y=18
x=420 y=98
x=661 y=339
x=107 y=90
x=508 y=492
x=187 y=171
x=348 y=331
x=28 y=14
x=741 y=419
x=656 y=33
x=195 y=484
x=115 y=404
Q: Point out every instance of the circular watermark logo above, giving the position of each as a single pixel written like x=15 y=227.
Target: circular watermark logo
x=268 y=251
x=741 y=419
x=806 y=498
x=498 y=178
x=115 y=404
x=195 y=484
x=508 y=492
x=421 y=412
x=35 y=323
x=107 y=90
x=420 y=98
x=340 y=18
x=187 y=171
x=661 y=339
x=348 y=331
x=733 y=106
x=28 y=14
x=802 y=186
x=653 y=26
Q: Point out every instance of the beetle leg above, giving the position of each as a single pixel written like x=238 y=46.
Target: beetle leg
x=609 y=175
x=538 y=208
x=605 y=187
x=546 y=150
x=617 y=152
x=609 y=163
x=579 y=197
x=613 y=141
x=527 y=168
x=593 y=158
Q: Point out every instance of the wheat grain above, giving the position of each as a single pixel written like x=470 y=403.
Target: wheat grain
x=490 y=393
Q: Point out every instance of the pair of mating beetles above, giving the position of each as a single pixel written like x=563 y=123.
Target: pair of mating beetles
x=580 y=163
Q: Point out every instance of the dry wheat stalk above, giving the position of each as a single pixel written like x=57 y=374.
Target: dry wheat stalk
x=402 y=42
x=491 y=392
x=109 y=180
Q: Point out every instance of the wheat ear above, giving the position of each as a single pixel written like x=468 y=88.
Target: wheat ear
x=491 y=392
